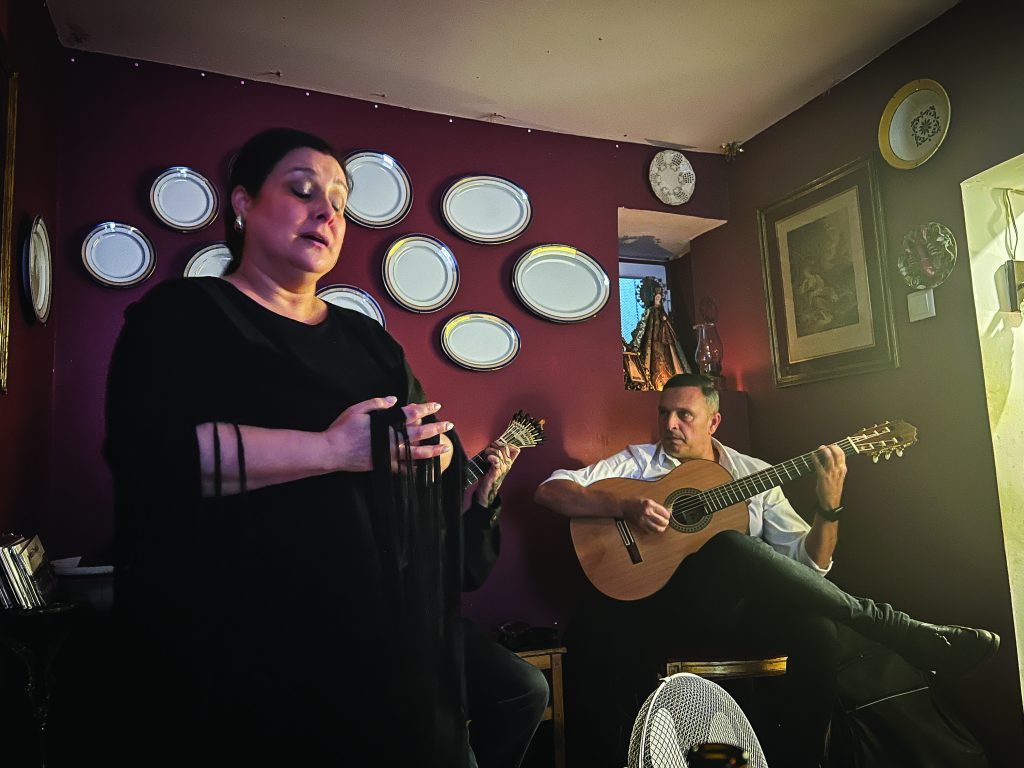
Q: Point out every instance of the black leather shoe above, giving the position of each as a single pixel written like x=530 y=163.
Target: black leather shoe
x=949 y=648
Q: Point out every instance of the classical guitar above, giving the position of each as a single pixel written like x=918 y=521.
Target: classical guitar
x=703 y=500
x=523 y=431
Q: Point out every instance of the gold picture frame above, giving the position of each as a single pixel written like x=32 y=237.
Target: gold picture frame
x=823 y=253
x=8 y=108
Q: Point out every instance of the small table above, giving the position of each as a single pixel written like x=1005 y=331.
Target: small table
x=550 y=660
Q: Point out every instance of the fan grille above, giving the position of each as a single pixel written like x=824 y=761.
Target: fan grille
x=683 y=711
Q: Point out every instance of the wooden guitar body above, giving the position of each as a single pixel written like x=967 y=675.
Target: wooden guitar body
x=628 y=564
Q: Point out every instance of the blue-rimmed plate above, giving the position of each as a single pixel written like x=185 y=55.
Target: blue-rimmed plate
x=480 y=341
x=350 y=297
x=381 y=194
x=420 y=273
x=486 y=209
x=560 y=283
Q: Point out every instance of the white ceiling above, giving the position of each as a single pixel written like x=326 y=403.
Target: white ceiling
x=684 y=73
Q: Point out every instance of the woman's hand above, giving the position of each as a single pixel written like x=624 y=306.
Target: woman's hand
x=500 y=456
x=348 y=438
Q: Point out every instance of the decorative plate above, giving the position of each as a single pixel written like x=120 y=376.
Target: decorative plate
x=420 y=273
x=211 y=261
x=183 y=199
x=350 y=297
x=672 y=177
x=486 y=209
x=381 y=193
x=480 y=341
x=37 y=269
x=928 y=256
x=914 y=124
x=560 y=283
x=118 y=254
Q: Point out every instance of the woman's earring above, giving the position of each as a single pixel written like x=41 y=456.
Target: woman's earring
x=239 y=223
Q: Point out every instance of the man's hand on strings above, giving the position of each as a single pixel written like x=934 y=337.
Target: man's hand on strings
x=830 y=465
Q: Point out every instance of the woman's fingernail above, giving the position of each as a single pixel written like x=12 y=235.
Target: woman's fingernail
x=390 y=399
x=445 y=448
x=437 y=407
x=448 y=425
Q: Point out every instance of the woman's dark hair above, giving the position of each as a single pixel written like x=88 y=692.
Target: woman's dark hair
x=251 y=166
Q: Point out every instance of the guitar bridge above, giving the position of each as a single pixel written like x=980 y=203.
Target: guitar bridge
x=628 y=542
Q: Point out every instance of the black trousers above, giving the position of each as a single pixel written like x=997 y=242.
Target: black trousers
x=736 y=592
x=506 y=697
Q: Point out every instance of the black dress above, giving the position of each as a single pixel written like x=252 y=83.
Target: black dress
x=262 y=623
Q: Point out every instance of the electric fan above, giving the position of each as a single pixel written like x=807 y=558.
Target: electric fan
x=683 y=711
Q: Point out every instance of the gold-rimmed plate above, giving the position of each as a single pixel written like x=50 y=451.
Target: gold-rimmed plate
x=560 y=283
x=480 y=341
x=183 y=199
x=914 y=124
x=488 y=210
x=420 y=273
x=381 y=193
x=37 y=269
x=118 y=254
x=351 y=297
x=209 y=261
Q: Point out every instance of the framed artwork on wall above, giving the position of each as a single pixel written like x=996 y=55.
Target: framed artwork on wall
x=9 y=114
x=823 y=253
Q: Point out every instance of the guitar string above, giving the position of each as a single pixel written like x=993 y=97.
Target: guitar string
x=743 y=488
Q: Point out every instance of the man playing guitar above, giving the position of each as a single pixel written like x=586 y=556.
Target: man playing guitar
x=759 y=591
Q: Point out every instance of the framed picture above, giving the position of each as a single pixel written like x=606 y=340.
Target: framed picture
x=9 y=114
x=823 y=251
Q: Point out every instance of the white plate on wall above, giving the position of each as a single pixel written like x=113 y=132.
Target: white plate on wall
x=381 y=193
x=37 y=269
x=672 y=177
x=914 y=124
x=486 y=209
x=350 y=297
x=118 y=254
x=420 y=273
x=480 y=341
x=560 y=283
x=210 y=261
x=183 y=199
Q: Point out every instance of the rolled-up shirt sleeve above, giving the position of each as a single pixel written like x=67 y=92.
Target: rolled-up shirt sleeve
x=785 y=530
x=621 y=464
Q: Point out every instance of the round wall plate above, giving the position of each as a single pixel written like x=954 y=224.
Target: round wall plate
x=672 y=177
x=914 y=124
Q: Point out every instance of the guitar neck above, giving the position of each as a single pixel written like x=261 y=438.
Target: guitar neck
x=747 y=487
x=475 y=469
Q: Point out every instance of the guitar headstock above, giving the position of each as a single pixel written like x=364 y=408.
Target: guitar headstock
x=524 y=431
x=884 y=439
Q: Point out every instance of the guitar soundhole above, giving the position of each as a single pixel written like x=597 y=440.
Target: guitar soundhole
x=688 y=511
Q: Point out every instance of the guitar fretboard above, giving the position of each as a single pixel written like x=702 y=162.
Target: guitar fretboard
x=747 y=487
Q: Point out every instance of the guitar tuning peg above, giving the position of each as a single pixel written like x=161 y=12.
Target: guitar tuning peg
x=899 y=452
x=888 y=455
x=874 y=458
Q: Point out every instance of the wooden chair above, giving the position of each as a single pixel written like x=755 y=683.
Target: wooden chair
x=550 y=661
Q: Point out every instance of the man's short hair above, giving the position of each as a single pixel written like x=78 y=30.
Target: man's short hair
x=706 y=386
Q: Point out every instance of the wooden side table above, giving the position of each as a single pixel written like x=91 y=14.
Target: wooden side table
x=550 y=660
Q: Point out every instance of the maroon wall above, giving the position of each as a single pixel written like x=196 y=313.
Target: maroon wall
x=26 y=408
x=133 y=121
x=923 y=532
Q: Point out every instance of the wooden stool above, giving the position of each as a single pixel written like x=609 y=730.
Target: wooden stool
x=728 y=669
x=550 y=660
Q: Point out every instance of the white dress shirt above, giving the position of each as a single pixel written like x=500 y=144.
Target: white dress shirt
x=772 y=517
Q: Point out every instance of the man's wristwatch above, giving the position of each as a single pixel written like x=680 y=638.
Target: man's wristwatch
x=832 y=515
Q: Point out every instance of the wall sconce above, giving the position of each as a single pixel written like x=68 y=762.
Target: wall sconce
x=1015 y=284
